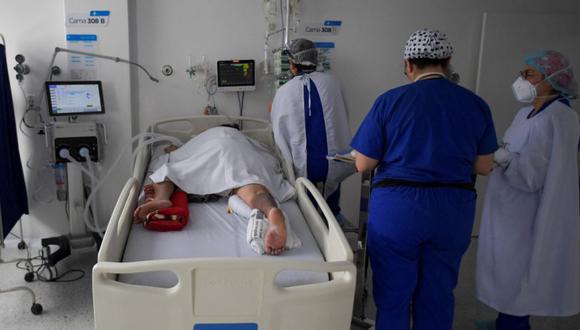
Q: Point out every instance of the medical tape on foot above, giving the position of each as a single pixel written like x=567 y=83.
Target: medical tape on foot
x=256 y=231
x=238 y=207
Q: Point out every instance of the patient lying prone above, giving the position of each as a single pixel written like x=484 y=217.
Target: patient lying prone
x=255 y=178
x=256 y=196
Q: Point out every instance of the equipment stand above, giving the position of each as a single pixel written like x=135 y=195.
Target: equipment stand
x=78 y=236
x=359 y=315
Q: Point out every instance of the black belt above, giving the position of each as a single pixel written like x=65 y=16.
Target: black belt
x=416 y=184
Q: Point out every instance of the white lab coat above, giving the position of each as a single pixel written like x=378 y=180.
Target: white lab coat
x=528 y=258
x=288 y=124
x=221 y=159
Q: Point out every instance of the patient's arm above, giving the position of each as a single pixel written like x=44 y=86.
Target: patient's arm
x=157 y=196
x=258 y=197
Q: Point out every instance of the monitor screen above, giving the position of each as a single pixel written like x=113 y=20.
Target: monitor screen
x=72 y=98
x=236 y=75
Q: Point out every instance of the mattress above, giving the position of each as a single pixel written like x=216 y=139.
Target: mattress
x=213 y=233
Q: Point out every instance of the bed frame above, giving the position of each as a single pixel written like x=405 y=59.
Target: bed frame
x=224 y=293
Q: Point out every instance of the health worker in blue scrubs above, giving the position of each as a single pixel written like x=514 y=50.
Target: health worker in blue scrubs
x=426 y=140
x=310 y=122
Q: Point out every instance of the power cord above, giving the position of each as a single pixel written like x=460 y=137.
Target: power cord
x=241 y=102
x=36 y=270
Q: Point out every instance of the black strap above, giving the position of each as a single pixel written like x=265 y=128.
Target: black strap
x=193 y=198
x=416 y=184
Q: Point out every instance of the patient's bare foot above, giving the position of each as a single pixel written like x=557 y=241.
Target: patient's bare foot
x=149 y=192
x=275 y=238
x=142 y=210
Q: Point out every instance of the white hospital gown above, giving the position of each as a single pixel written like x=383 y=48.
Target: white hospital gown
x=528 y=258
x=221 y=159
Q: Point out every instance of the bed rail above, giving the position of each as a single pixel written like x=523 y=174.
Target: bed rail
x=217 y=290
x=328 y=234
x=120 y=223
x=184 y=128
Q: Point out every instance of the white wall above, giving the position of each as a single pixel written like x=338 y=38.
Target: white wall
x=367 y=61
x=368 y=56
x=35 y=28
x=113 y=41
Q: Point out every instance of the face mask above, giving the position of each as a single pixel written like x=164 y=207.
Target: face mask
x=525 y=92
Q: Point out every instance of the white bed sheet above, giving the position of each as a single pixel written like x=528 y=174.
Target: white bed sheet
x=212 y=232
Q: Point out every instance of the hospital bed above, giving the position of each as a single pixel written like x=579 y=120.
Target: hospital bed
x=199 y=288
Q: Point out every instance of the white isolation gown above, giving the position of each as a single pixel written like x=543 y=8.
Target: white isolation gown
x=289 y=126
x=221 y=159
x=528 y=258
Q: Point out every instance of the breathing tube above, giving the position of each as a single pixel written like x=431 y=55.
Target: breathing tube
x=148 y=139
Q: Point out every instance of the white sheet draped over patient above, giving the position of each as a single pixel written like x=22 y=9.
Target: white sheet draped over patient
x=221 y=159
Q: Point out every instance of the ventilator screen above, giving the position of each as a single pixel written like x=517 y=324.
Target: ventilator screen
x=71 y=98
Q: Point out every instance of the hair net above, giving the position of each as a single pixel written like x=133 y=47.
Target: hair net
x=427 y=43
x=303 y=51
x=557 y=69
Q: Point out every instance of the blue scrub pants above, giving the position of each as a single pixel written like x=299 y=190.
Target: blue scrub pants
x=416 y=239
x=510 y=322
x=333 y=201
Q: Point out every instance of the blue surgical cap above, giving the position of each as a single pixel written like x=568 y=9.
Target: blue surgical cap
x=557 y=70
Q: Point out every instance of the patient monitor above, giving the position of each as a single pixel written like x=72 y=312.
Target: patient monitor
x=236 y=75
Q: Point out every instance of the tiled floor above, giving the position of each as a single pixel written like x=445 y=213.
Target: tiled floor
x=69 y=305
x=66 y=305
x=468 y=309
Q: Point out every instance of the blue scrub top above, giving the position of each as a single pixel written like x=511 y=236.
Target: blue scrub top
x=427 y=131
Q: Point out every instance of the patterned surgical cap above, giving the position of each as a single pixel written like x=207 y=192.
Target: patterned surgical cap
x=427 y=43
x=551 y=62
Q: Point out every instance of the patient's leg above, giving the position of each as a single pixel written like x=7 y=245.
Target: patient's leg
x=258 y=197
x=158 y=199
